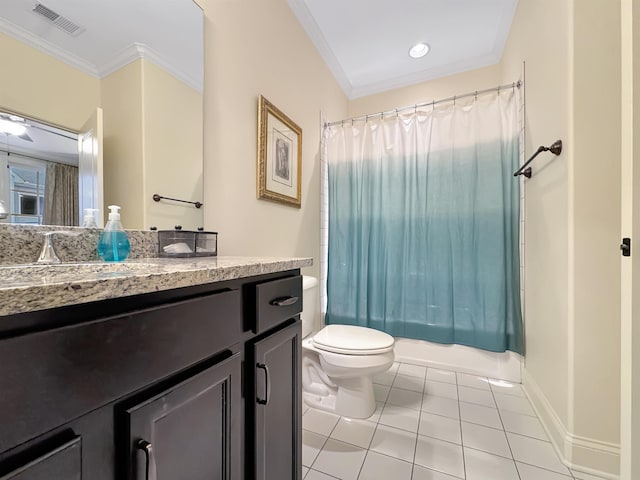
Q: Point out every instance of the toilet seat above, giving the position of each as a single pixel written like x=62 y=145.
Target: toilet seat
x=353 y=340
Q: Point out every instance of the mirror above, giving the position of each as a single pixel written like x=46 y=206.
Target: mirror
x=141 y=63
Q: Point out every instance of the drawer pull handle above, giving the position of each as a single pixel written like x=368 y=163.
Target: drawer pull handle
x=284 y=301
x=151 y=461
x=267 y=383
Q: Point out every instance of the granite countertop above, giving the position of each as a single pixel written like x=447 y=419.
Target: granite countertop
x=26 y=288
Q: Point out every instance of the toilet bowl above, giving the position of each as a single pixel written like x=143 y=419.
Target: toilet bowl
x=339 y=361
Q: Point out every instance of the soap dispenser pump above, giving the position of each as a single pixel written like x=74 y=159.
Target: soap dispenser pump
x=113 y=245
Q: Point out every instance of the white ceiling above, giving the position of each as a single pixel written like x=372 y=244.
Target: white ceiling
x=168 y=32
x=365 y=43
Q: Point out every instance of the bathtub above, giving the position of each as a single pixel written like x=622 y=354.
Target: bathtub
x=502 y=366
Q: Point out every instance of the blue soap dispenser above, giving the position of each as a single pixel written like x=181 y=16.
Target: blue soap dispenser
x=113 y=245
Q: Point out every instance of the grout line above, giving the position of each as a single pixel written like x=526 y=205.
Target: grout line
x=504 y=430
x=464 y=460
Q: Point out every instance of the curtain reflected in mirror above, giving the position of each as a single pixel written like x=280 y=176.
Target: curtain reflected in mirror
x=61 y=205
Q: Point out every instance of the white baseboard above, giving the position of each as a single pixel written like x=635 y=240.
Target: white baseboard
x=580 y=454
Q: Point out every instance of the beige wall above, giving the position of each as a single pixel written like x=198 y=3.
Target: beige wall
x=257 y=47
x=596 y=223
x=39 y=86
x=546 y=53
x=487 y=77
x=172 y=115
x=153 y=144
x=124 y=143
x=572 y=266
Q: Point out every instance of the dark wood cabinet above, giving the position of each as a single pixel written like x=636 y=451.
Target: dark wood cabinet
x=61 y=463
x=275 y=407
x=190 y=431
x=198 y=383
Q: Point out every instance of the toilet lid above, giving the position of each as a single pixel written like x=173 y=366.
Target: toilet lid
x=352 y=340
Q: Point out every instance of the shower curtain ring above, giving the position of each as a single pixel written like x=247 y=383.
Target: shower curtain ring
x=498 y=90
x=454 y=100
x=476 y=96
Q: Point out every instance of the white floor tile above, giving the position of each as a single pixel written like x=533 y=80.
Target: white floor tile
x=412 y=370
x=422 y=473
x=405 y=398
x=474 y=395
x=394 y=368
x=585 y=476
x=529 y=472
x=382 y=467
x=406 y=382
x=473 y=381
x=446 y=376
x=535 y=452
x=381 y=392
x=311 y=445
x=440 y=406
x=315 y=475
x=394 y=442
x=400 y=417
x=507 y=388
x=320 y=422
x=340 y=460
x=385 y=378
x=511 y=403
x=442 y=428
x=441 y=389
x=523 y=425
x=442 y=456
x=355 y=432
x=304 y=471
x=487 y=416
x=484 y=466
x=486 y=439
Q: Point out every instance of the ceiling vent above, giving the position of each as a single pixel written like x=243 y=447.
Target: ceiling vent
x=58 y=20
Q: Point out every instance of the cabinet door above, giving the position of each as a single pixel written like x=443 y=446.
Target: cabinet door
x=190 y=431
x=62 y=463
x=277 y=405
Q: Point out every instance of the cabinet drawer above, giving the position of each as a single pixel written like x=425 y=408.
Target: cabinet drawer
x=62 y=463
x=50 y=378
x=277 y=301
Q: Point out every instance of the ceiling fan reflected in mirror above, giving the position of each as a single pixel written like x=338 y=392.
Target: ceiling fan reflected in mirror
x=14 y=125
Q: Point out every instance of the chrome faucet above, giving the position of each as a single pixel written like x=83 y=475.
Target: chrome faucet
x=48 y=254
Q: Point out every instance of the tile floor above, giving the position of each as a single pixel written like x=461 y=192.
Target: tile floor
x=433 y=424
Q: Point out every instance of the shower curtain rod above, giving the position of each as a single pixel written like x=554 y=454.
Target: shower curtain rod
x=432 y=103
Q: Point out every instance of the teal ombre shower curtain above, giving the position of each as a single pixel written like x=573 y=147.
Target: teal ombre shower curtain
x=424 y=224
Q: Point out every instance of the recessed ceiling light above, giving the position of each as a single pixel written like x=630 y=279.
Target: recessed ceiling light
x=419 y=50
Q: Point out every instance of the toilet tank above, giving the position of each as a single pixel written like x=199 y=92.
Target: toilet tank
x=309 y=304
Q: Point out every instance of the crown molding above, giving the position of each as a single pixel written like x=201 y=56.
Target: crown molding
x=39 y=43
x=302 y=13
x=129 y=54
x=137 y=51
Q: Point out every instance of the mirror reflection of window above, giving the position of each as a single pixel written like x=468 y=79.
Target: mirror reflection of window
x=27 y=183
x=40 y=180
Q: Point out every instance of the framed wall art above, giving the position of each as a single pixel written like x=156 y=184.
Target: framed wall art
x=279 y=171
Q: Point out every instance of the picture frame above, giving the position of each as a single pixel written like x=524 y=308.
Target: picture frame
x=279 y=166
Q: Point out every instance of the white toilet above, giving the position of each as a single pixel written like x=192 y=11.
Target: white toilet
x=339 y=361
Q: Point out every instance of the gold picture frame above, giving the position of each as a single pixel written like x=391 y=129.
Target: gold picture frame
x=279 y=172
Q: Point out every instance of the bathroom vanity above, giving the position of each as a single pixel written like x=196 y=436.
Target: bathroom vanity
x=165 y=370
